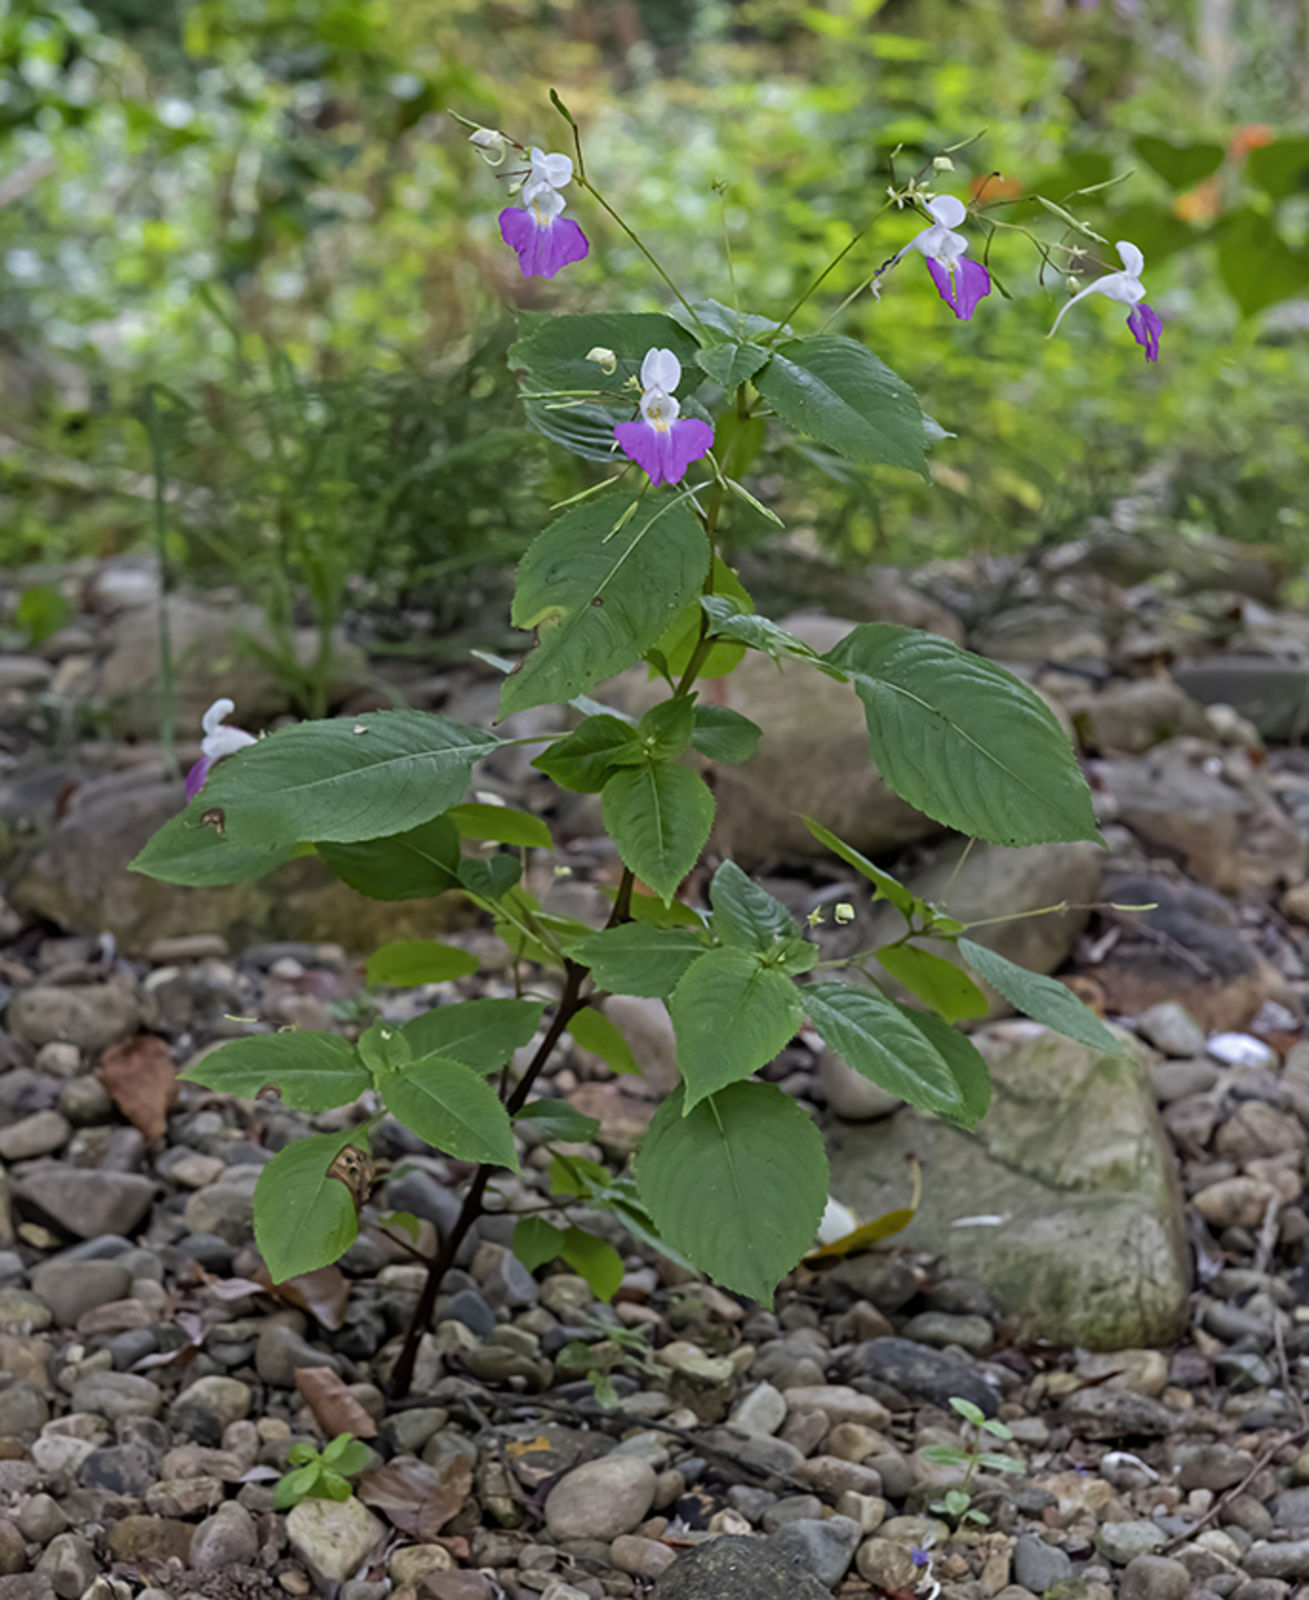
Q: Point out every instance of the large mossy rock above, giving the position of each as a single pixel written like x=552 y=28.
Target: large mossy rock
x=1065 y=1202
x=78 y=878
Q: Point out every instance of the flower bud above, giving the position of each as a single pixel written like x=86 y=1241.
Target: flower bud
x=943 y=163
x=490 y=144
x=606 y=360
x=843 y=913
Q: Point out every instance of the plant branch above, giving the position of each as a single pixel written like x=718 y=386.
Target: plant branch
x=402 y=1374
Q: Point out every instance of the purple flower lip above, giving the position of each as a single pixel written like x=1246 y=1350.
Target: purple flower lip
x=919 y=1556
x=961 y=285
x=1146 y=325
x=661 y=442
x=542 y=248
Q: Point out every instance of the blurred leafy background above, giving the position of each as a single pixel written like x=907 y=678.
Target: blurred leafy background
x=252 y=222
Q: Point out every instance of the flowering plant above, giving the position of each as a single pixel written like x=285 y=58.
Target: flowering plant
x=731 y=1176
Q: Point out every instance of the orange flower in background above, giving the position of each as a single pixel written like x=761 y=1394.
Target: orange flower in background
x=1200 y=204
x=991 y=186
x=1252 y=137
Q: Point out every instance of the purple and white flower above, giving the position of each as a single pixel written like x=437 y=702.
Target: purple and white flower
x=543 y=238
x=961 y=283
x=1126 y=287
x=219 y=741
x=663 y=442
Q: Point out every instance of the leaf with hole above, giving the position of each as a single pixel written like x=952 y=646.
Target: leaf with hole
x=305 y=1219
x=310 y=1071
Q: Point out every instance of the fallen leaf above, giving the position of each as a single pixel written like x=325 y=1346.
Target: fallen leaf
x=196 y=1332
x=335 y=1409
x=325 y=1293
x=417 y=1498
x=141 y=1080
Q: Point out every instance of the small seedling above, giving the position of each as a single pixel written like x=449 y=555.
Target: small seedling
x=957 y=1502
x=322 y=1476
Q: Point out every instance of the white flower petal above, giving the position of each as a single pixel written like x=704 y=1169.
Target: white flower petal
x=221 y=708
x=225 y=742
x=838 y=1220
x=556 y=170
x=661 y=370
x=948 y=210
x=1131 y=258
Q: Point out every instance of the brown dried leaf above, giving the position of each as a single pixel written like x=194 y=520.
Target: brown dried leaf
x=141 y=1080
x=417 y=1498
x=234 y=1288
x=325 y=1293
x=335 y=1409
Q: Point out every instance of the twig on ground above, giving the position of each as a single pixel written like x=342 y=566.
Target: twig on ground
x=1261 y=1461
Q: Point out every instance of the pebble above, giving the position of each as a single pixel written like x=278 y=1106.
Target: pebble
x=917 y=1369
x=1119 y=1542
x=1242 y=1050
x=118 y=1394
x=886 y=1563
x=70 y=1564
x=23 y=1410
x=40 y=1518
x=149 y=1539
x=1037 y=1565
x=13 y=1547
x=1170 y=1027
x=20 y=1309
x=416 y=1562
x=1215 y=1466
x=736 y=1567
x=334 y=1537
x=226 y=1539
x=838 y=1403
x=85 y=1202
x=761 y=1411
x=281 y=1351
x=90 y=1016
x=127 y=1469
x=207 y=1406
x=600 y=1499
x=72 y=1288
x=41 y=1134
x=824 y=1547
x=1154 y=1578
x=943 y=1328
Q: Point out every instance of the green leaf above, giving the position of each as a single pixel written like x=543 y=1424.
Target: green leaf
x=797 y=956
x=413 y=865
x=1280 y=169
x=303 y=1218
x=454 y=1108
x=745 y=914
x=722 y=734
x=334 y=1448
x=599 y=586
x=715 y=323
x=836 y=391
x=193 y=853
x=1256 y=264
x=1043 y=999
x=553 y=349
x=405 y=963
x=584 y=760
x=585 y=427
x=870 y=1034
x=679 y=640
x=738 y=1184
x=490 y=877
x=41 y=611
x=945 y=1455
x=591 y=1258
x=1181 y=165
x=963 y=740
x=731 y=1016
x=501 y=825
x=665 y=730
x=301 y=1453
x=354 y=1457
x=636 y=959
x=536 y=1242
x=967 y=1410
x=967 y=1066
x=727 y=621
x=383 y=1048
x=938 y=983
x=340 y=780
x=594 y=1032
x=555 y=1119
x=885 y=887
x=996 y=1461
x=295 y=1487
x=654 y=913
x=659 y=817
x=331 y=1485
x=483 y=1034
x=733 y=362
x=310 y=1071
